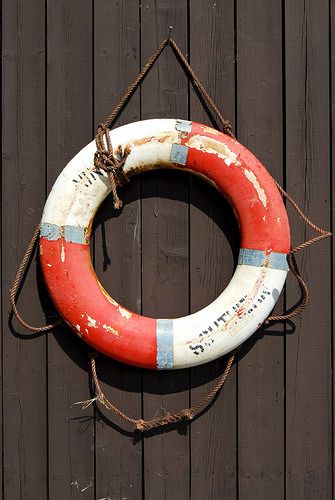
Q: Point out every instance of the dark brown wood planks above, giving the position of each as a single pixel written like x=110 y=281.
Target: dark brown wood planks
x=213 y=243
x=118 y=252
x=24 y=355
x=261 y=370
x=37 y=410
x=69 y=128
x=165 y=251
x=308 y=350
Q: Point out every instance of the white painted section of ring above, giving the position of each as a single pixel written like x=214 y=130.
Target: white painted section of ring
x=249 y=283
x=75 y=203
x=254 y=181
x=212 y=146
x=77 y=194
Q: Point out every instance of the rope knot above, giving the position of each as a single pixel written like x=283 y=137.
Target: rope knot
x=110 y=162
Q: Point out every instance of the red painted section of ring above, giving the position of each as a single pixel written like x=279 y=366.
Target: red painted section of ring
x=262 y=215
x=103 y=324
x=128 y=337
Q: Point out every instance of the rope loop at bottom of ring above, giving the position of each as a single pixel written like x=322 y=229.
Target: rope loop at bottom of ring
x=140 y=424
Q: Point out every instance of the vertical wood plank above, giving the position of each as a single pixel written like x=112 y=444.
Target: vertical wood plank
x=261 y=370
x=332 y=208
x=308 y=387
x=24 y=357
x=118 y=251
x=165 y=252
x=69 y=116
x=213 y=243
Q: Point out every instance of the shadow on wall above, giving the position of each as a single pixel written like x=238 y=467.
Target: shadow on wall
x=123 y=377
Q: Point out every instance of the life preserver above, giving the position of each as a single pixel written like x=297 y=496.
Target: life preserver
x=166 y=343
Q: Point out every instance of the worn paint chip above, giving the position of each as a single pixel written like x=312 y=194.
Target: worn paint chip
x=62 y=253
x=124 y=313
x=91 y=322
x=212 y=146
x=110 y=329
x=260 y=191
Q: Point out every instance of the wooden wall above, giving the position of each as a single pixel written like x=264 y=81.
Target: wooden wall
x=267 y=64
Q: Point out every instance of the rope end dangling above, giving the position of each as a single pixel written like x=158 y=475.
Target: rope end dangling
x=112 y=164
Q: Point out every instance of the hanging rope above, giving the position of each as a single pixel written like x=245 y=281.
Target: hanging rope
x=302 y=284
x=104 y=159
x=15 y=286
x=112 y=163
x=169 y=418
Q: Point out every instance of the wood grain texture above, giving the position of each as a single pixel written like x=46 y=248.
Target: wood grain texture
x=308 y=379
x=171 y=251
x=24 y=357
x=165 y=248
x=332 y=208
x=213 y=248
x=261 y=370
x=118 y=252
x=69 y=118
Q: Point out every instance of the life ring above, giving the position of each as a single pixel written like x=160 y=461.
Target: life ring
x=166 y=343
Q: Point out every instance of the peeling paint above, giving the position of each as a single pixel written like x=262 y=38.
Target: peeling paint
x=212 y=146
x=49 y=265
x=110 y=329
x=41 y=249
x=78 y=332
x=62 y=253
x=108 y=297
x=260 y=191
x=124 y=313
x=155 y=139
x=91 y=322
x=210 y=130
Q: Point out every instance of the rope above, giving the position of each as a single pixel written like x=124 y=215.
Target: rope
x=104 y=159
x=112 y=163
x=169 y=418
x=302 y=284
x=13 y=290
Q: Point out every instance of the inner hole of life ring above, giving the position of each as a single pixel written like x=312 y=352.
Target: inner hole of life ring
x=171 y=250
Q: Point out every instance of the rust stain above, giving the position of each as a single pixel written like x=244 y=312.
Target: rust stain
x=168 y=136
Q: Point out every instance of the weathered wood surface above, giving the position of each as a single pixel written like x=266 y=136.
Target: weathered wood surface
x=268 y=65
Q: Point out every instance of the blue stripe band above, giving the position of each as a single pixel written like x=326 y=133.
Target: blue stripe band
x=75 y=234
x=51 y=231
x=164 y=332
x=258 y=258
x=183 y=126
x=72 y=234
x=179 y=154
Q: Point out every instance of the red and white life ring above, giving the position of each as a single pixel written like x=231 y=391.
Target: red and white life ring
x=166 y=343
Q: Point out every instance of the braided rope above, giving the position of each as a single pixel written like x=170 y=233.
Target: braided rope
x=106 y=160
x=169 y=418
x=15 y=286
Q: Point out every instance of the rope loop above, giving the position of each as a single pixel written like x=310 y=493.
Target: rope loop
x=140 y=424
x=112 y=163
x=15 y=286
